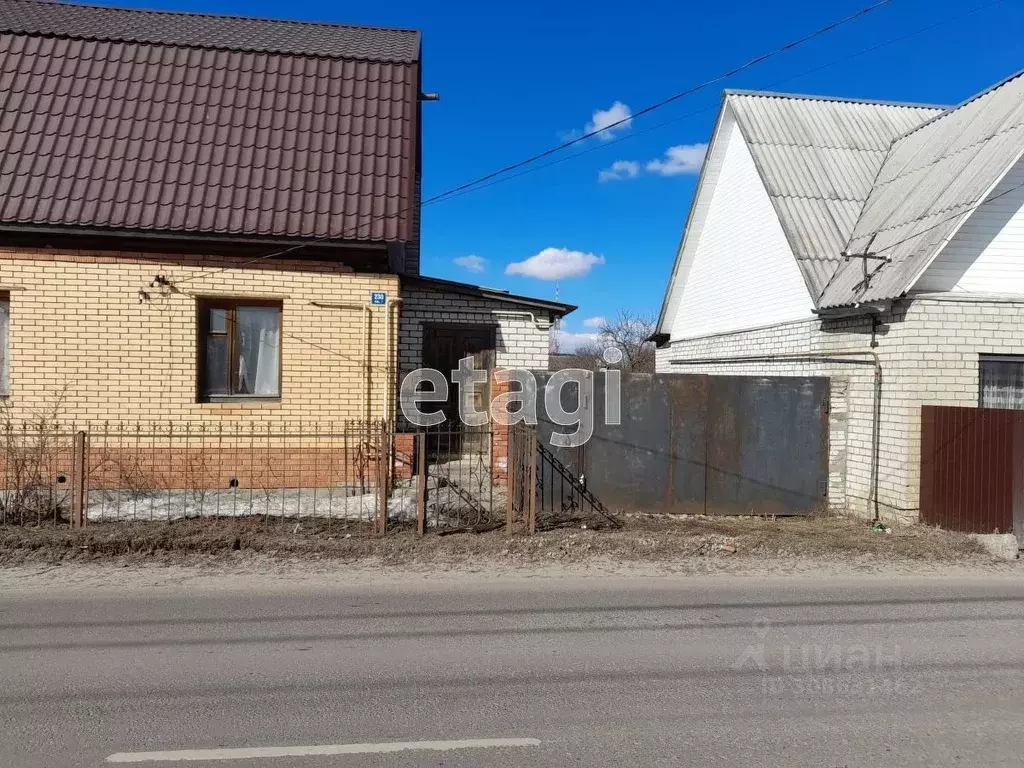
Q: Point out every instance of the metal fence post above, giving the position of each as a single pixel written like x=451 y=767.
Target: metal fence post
x=511 y=469
x=531 y=490
x=80 y=485
x=383 y=467
x=421 y=483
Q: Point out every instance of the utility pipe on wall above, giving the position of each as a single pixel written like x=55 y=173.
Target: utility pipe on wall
x=818 y=357
x=390 y=362
x=531 y=315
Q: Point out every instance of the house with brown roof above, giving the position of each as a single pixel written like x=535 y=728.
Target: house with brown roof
x=878 y=244
x=207 y=218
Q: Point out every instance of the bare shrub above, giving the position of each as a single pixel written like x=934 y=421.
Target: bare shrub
x=36 y=456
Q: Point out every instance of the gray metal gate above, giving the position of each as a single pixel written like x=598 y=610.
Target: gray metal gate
x=703 y=444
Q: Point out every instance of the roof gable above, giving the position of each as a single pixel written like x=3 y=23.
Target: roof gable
x=699 y=205
x=932 y=179
x=195 y=138
x=817 y=158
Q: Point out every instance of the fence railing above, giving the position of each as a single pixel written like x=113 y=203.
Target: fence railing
x=170 y=471
x=543 y=492
x=361 y=475
x=37 y=475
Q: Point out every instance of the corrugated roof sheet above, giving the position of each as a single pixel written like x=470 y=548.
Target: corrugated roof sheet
x=932 y=178
x=147 y=136
x=204 y=30
x=818 y=159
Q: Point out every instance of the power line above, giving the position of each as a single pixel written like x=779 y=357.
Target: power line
x=462 y=188
x=1005 y=192
x=659 y=126
x=665 y=102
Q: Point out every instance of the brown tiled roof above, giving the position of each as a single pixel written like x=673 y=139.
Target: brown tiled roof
x=204 y=124
x=205 y=30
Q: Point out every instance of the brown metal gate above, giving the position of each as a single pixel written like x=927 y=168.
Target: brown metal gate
x=971 y=468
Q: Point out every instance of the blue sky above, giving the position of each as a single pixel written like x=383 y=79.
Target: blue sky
x=515 y=77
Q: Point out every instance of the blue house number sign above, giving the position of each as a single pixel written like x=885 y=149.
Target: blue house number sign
x=378 y=298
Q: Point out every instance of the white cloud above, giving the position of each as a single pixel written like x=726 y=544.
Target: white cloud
x=680 y=159
x=594 y=322
x=603 y=118
x=555 y=264
x=620 y=169
x=569 y=342
x=472 y=263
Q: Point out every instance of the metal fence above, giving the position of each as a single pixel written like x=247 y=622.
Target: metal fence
x=457 y=479
x=543 y=492
x=972 y=469
x=169 y=471
x=361 y=475
x=37 y=474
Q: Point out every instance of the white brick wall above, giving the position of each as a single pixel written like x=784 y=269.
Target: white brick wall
x=520 y=343
x=929 y=350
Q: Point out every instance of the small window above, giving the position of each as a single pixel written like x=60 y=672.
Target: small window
x=239 y=349
x=1001 y=382
x=5 y=325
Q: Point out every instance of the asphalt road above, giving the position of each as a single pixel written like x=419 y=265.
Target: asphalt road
x=606 y=672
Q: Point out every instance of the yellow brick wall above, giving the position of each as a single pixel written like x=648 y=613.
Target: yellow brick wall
x=79 y=333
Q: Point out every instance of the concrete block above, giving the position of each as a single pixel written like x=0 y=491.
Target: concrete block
x=1000 y=545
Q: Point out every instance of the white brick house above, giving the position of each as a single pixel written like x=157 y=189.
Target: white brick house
x=522 y=324
x=878 y=244
x=442 y=321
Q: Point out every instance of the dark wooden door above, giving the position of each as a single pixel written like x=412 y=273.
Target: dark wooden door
x=443 y=347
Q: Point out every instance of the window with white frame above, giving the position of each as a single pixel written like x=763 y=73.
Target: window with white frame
x=1001 y=382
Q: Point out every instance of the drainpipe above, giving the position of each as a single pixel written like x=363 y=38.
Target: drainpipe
x=390 y=361
x=842 y=356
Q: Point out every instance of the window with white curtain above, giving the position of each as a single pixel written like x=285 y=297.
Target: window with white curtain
x=5 y=326
x=239 y=349
x=1001 y=382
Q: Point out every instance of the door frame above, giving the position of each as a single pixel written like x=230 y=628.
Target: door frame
x=491 y=329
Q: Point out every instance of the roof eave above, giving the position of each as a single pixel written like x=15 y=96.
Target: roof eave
x=557 y=308
x=98 y=238
x=813 y=97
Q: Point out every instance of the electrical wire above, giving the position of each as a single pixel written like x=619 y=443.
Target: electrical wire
x=710 y=107
x=665 y=102
x=462 y=188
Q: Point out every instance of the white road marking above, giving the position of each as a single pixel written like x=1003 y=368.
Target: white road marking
x=252 y=753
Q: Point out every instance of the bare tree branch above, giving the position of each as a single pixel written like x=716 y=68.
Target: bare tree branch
x=628 y=333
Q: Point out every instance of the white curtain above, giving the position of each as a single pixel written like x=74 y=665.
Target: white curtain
x=1002 y=383
x=258 y=342
x=268 y=362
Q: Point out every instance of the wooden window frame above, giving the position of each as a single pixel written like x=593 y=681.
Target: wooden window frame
x=230 y=304
x=5 y=360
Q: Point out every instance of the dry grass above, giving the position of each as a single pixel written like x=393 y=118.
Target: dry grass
x=642 y=539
